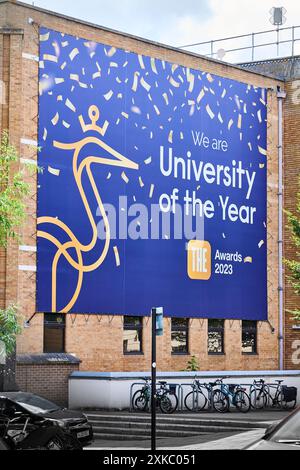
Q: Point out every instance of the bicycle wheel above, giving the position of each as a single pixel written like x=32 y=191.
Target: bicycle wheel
x=241 y=401
x=168 y=403
x=195 y=401
x=259 y=399
x=139 y=401
x=220 y=401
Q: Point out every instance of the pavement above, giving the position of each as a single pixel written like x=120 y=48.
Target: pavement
x=168 y=443
x=236 y=441
x=209 y=441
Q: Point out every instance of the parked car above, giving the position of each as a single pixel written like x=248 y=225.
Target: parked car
x=36 y=407
x=284 y=435
x=22 y=431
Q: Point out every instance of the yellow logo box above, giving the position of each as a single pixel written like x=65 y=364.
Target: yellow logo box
x=199 y=260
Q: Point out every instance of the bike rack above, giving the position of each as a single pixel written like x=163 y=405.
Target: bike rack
x=190 y=385
x=183 y=395
x=248 y=386
x=181 y=392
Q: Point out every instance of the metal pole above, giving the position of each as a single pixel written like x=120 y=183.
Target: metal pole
x=153 y=383
x=280 y=96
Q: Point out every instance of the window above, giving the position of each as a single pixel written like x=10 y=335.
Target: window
x=249 y=337
x=133 y=335
x=180 y=335
x=215 y=337
x=54 y=333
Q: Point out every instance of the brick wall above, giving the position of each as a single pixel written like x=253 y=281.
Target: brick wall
x=97 y=340
x=47 y=380
x=104 y=337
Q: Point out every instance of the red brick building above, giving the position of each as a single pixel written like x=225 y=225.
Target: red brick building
x=100 y=342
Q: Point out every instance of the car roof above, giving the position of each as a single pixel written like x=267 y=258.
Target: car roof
x=13 y=395
x=284 y=421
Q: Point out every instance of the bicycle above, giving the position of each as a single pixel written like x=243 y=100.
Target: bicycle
x=231 y=394
x=204 y=396
x=141 y=398
x=261 y=395
x=167 y=399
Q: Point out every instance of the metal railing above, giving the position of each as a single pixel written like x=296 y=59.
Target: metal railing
x=217 y=48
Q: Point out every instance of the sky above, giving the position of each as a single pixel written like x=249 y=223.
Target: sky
x=178 y=23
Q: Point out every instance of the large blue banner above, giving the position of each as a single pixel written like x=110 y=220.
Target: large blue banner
x=153 y=186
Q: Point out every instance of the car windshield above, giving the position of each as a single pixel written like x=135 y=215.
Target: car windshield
x=289 y=432
x=35 y=404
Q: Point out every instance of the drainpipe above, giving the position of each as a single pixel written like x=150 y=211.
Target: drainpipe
x=281 y=95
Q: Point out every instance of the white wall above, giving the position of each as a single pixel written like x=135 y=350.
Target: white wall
x=112 y=391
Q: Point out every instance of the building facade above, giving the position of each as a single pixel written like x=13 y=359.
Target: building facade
x=106 y=342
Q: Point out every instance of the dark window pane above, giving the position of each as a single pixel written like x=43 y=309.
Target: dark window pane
x=54 y=333
x=215 y=336
x=133 y=321
x=249 y=337
x=215 y=323
x=179 y=323
x=55 y=318
x=179 y=335
x=54 y=340
x=249 y=324
x=132 y=335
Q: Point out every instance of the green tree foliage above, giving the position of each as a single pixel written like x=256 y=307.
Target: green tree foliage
x=294 y=264
x=192 y=365
x=13 y=189
x=9 y=328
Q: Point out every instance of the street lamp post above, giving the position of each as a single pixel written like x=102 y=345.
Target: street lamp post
x=153 y=383
x=157 y=330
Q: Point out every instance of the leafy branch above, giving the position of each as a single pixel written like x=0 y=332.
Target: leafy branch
x=13 y=190
x=10 y=327
x=192 y=365
x=294 y=264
